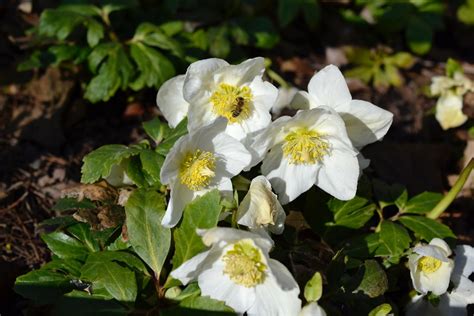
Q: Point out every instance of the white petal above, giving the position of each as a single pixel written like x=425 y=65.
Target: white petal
x=242 y=73
x=179 y=197
x=214 y=283
x=431 y=251
x=449 y=111
x=438 y=242
x=260 y=207
x=230 y=235
x=170 y=169
x=272 y=300
x=199 y=77
x=302 y=100
x=288 y=180
x=463 y=262
x=437 y=282
x=365 y=122
x=283 y=277
x=232 y=154
x=339 y=172
x=200 y=114
x=312 y=309
x=363 y=162
x=284 y=99
x=171 y=101
x=328 y=87
x=190 y=269
x=264 y=94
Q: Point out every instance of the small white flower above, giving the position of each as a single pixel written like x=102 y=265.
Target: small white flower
x=458 y=84
x=312 y=309
x=311 y=148
x=430 y=267
x=449 y=111
x=237 y=270
x=462 y=294
x=260 y=208
x=198 y=163
x=365 y=122
x=171 y=102
x=213 y=88
x=118 y=177
x=285 y=95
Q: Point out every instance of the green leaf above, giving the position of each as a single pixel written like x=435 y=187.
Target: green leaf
x=205 y=303
x=32 y=62
x=98 y=164
x=66 y=204
x=180 y=130
x=65 y=246
x=353 y=213
x=419 y=35
x=74 y=53
x=70 y=267
x=362 y=246
x=452 y=67
x=263 y=33
x=153 y=35
x=134 y=170
x=79 y=303
x=201 y=213
x=393 y=75
x=314 y=288
x=115 y=71
x=381 y=310
x=426 y=228
x=150 y=240
x=95 y=32
x=154 y=67
x=465 y=12
x=394 y=237
x=386 y=194
x=374 y=279
x=401 y=59
x=311 y=13
x=287 y=11
x=156 y=129
x=82 y=231
x=219 y=44
x=43 y=285
x=119 y=281
x=151 y=163
x=422 y=203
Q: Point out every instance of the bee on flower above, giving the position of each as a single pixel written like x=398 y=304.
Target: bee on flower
x=199 y=162
x=213 y=89
x=238 y=271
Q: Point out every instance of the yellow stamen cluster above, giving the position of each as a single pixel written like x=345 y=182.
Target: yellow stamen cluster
x=197 y=169
x=305 y=146
x=429 y=264
x=243 y=264
x=232 y=102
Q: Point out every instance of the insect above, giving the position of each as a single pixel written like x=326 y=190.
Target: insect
x=238 y=106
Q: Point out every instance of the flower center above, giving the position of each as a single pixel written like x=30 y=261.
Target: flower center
x=243 y=264
x=429 y=264
x=305 y=146
x=231 y=102
x=197 y=169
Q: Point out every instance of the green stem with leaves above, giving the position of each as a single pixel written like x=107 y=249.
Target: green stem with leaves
x=453 y=193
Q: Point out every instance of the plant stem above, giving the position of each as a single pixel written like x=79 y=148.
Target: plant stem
x=457 y=187
x=276 y=77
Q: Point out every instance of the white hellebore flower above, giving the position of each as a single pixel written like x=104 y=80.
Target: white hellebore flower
x=198 y=163
x=453 y=303
x=237 y=270
x=260 y=208
x=430 y=267
x=312 y=309
x=449 y=111
x=310 y=148
x=213 y=88
x=459 y=84
x=171 y=102
x=365 y=122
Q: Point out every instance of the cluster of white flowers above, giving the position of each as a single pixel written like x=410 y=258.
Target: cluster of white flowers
x=230 y=130
x=432 y=270
x=450 y=91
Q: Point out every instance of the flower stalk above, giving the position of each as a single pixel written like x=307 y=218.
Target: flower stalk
x=453 y=193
